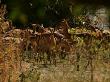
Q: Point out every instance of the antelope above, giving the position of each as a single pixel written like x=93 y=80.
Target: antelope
x=43 y=42
x=63 y=29
x=46 y=40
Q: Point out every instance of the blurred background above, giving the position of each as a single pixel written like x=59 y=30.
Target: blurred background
x=49 y=12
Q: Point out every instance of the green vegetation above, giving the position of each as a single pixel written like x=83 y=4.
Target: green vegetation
x=47 y=12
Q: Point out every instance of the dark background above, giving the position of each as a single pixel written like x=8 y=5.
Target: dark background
x=47 y=12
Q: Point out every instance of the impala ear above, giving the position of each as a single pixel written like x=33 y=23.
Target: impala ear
x=52 y=30
x=65 y=20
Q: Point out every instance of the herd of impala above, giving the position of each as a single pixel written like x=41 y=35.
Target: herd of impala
x=43 y=40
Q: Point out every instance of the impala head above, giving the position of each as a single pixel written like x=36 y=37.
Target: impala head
x=64 y=22
x=63 y=28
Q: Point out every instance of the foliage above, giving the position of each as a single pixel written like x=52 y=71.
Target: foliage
x=37 y=11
